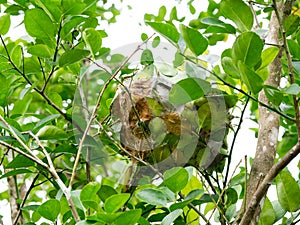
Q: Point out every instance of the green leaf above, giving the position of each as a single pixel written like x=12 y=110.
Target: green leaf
x=252 y=80
x=167 y=30
x=161 y=13
x=294 y=48
x=169 y=219
x=16 y=55
x=50 y=209
x=279 y=211
x=267 y=56
x=287 y=191
x=156 y=42
x=76 y=199
x=51 y=132
x=156 y=109
x=41 y=50
x=130 y=217
x=16 y=172
x=56 y=99
x=38 y=24
x=45 y=121
x=19 y=161
x=13 y=124
x=294 y=89
x=115 y=202
x=52 y=8
x=273 y=95
x=176 y=179
x=188 y=90
x=189 y=198
x=93 y=40
x=105 y=192
x=89 y=192
x=217 y=26
x=247 y=48
x=4 y=24
x=72 y=56
x=193 y=70
x=194 y=40
x=267 y=216
x=291 y=24
x=86 y=222
x=144 y=36
x=238 y=12
x=153 y=196
x=229 y=67
x=31 y=207
x=21 y=105
x=73 y=7
x=147 y=58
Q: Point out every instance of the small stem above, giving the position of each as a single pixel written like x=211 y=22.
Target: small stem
x=254 y=14
x=59 y=182
x=25 y=198
x=54 y=57
x=233 y=141
x=33 y=158
x=86 y=117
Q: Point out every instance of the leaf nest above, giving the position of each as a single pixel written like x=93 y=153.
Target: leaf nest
x=158 y=132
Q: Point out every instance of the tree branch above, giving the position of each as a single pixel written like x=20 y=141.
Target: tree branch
x=60 y=183
x=264 y=185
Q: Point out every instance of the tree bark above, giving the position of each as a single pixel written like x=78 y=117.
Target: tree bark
x=268 y=121
x=16 y=192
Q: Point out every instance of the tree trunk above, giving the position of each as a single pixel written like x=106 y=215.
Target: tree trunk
x=268 y=120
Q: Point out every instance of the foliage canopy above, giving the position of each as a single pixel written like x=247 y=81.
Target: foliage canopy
x=116 y=138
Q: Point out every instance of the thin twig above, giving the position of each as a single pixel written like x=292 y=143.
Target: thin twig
x=234 y=140
x=42 y=68
x=213 y=200
x=224 y=189
x=54 y=57
x=60 y=183
x=11 y=130
x=12 y=63
x=25 y=198
x=199 y=213
x=254 y=14
x=33 y=158
x=86 y=118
